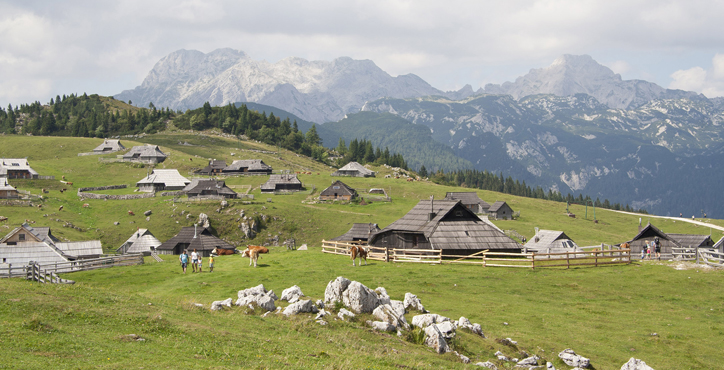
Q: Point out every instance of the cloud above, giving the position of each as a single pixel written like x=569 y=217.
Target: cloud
x=708 y=82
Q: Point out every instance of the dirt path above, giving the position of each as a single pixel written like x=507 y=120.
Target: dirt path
x=683 y=219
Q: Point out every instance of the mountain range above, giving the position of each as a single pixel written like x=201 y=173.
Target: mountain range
x=574 y=126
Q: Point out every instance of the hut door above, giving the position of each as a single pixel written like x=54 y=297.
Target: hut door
x=414 y=241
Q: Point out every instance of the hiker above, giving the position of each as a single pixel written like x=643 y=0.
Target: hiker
x=184 y=259
x=211 y=263
x=201 y=257
x=657 y=248
x=194 y=260
x=643 y=252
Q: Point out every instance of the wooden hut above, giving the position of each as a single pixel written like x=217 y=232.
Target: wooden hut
x=193 y=237
x=207 y=188
x=159 y=180
x=470 y=200
x=551 y=241
x=142 y=241
x=649 y=233
x=286 y=182
x=109 y=146
x=500 y=210
x=358 y=233
x=693 y=241
x=16 y=168
x=354 y=169
x=248 y=167
x=443 y=224
x=146 y=154
x=7 y=191
x=215 y=167
x=338 y=191
x=27 y=243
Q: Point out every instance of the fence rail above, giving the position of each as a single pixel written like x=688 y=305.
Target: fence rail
x=710 y=257
x=9 y=270
x=487 y=258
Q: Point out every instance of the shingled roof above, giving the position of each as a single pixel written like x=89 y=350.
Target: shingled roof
x=450 y=225
x=551 y=241
x=15 y=164
x=359 y=231
x=144 y=152
x=468 y=198
x=170 y=178
x=250 y=164
x=281 y=181
x=354 y=169
x=693 y=240
x=200 y=187
x=142 y=241
x=109 y=146
x=192 y=237
x=213 y=167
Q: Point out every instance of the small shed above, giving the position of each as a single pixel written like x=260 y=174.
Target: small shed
x=551 y=241
x=142 y=241
x=193 y=237
x=215 y=167
x=693 y=241
x=443 y=224
x=354 y=169
x=500 y=210
x=338 y=191
x=160 y=180
x=470 y=200
x=360 y=232
x=16 y=168
x=207 y=188
x=286 y=182
x=649 y=233
x=248 y=167
x=109 y=146
x=7 y=191
x=719 y=246
x=27 y=243
x=145 y=153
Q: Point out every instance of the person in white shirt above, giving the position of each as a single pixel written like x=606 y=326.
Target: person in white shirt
x=194 y=260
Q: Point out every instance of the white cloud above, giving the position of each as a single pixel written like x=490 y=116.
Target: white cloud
x=708 y=82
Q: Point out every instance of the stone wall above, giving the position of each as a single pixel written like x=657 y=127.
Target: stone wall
x=82 y=193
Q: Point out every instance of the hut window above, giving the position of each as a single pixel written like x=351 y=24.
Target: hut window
x=458 y=213
x=335 y=187
x=21 y=237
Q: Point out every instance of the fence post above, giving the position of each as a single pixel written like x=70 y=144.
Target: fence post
x=532 y=261
x=441 y=256
x=568 y=260
x=697 y=254
x=387 y=254
x=10 y=270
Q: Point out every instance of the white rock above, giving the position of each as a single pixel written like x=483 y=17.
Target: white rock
x=635 y=364
x=219 y=305
x=345 y=314
x=382 y=295
x=487 y=364
x=381 y=326
x=322 y=313
x=319 y=304
x=435 y=340
x=334 y=290
x=292 y=294
x=302 y=248
x=529 y=362
x=411 y=302
x=425 y=320
x=387 y=314
x=447 y=328
x=300 y=307
x=572 y=359
x=359 y=298
x=399 y=307
x=257 y=295
x=463 y=358
x=511 y=341
x=501 y=356
x=549 y=366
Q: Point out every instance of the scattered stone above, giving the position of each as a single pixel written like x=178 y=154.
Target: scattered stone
x=334 y=290
x=572 y=359
x=116 y=223
x=399 y=307
x=224 y=204
x=425 y=320
x=147 y=213
x=382 y=295
x=148 y=218
x=345 y=314
x=302 y=248
x=300 y=307
x=435 y=340
x=447 y=328
x=501 y=356
x=412 y=302
x=635 y=364
x=463 y=358
x=359 y=298
x=199 y=305
x=292 y=294
x=529 y=362
x=132 y=338
x=386 y=313
x=322 y=313
x=320 y=304
x=219 y=305
x=510 y=341
x=381 y=325
x=549 y=366
x=203 y=220
x=464 y=323
x=487 y=364
x=259 y=295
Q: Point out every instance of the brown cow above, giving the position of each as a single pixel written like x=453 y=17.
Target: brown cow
x=253 y=251
x=360 y=251
x=223 y=252
x=60 y=208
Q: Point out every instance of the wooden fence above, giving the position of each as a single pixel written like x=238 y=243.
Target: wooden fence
x=710 y=257
x=487 y=258
x=8 y=271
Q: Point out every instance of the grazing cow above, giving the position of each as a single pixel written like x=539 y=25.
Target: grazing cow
x=131 y=213
x=3 y=218
x=358 y=251
x=253 y=251
x=86 y=205
x=223 y=252
x=60 y=208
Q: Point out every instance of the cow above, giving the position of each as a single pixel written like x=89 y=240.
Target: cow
x=86 y=205
x=253 y=251
x=60 y=208
x=360 y=251
x=131 y=213
x=223 y=252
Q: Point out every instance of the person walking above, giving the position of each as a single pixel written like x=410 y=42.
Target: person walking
x=184 y=259
x=201 y=258
x=657 y=248
x=643 y=252
x=194 y=260
x=211 y=263
x=648 y=250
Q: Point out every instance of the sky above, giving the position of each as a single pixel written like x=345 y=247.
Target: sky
x=50 y=48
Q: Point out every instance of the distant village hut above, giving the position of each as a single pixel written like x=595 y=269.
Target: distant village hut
x=7 y=191
x=248 y=167
x=648 y=234
x=693 y=241
x=354 y=169
x=109 y=146
x=215 y=167
x=193 y=237
x=470 y=200
x=360 y=232
x=282 y=183
x=446 y=225
x=551 y=241
x=16 y=168
x=145 y=153
x=207 y=188
x=142 y=241
x=500 y=210
x=27 y=243
x=160 y=180
x=338 y=191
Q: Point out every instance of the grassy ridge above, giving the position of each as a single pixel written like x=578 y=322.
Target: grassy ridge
x=607 y=314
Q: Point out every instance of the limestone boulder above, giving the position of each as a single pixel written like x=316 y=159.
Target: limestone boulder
x=447 y=329
x=411 y=302
x=219 y=305
x=204 y=220
x=487 y=364
x=399 y=307
x=572 y=359
x=382 y=295
x=435 y=340
x=425 y=320
x=292 y=294
x=381 y=326
x=386 y=313
x=359 y=298
x=257 y=295
x=334 y=290
x=300 y=307
x=345 y=314
x=635 y=364
x=529 y=361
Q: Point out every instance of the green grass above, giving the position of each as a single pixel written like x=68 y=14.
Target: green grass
x=607 y=314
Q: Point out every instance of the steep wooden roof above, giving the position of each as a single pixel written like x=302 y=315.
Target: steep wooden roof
x=141 y=241
x=496 y=206
x=198 y=186
x=271 y=184
x=359 y=231
x=167 y=177
x=213 y=165
x=693 y=240
x=249 y=164
x=355 y=167
x=144 y=151
x=551 y=239
x=338 y=187
x=651 y=231
x=467 y=197
x=109 y=146
x=204 y=240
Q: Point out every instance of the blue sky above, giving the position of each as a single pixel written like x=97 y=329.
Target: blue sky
x=53 y=48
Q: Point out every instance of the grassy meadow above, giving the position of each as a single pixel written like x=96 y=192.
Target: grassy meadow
x=607 y=314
